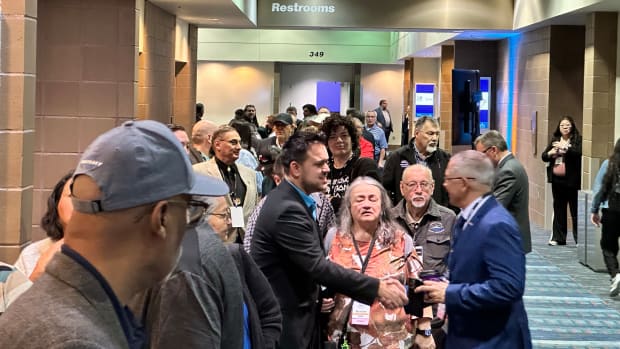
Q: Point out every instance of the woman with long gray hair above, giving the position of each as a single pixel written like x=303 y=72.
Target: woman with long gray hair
x=369 y=240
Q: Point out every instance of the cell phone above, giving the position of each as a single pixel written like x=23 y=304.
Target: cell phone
x=430 y=275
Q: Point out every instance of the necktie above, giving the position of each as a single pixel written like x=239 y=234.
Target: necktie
x=458 y=226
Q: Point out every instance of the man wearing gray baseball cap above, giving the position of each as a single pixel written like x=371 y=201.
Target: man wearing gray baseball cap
x=131 y=193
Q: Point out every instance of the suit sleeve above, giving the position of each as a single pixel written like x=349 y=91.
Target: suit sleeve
x=505 y=264
x=266 y=303
x=505 y=186
x=297 y=237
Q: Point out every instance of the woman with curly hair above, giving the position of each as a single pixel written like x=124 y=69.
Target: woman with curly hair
x=607 y=194
x=564 y=173
x=345 y=163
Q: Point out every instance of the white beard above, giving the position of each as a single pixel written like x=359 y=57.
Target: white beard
x=431 y=149
x=417 y=204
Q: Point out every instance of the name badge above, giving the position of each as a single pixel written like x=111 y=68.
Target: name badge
x=360 y=314
x=236 y=216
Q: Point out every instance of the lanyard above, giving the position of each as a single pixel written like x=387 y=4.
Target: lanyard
x=357 y=249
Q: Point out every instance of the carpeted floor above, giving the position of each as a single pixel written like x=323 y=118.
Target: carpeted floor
x=568 y=304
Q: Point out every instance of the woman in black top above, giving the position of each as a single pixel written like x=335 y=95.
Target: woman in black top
x=564 y=173
x=344 y=162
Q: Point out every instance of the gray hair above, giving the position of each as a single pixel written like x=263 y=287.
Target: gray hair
x=492 y=139
x=421 y=121
x=387 y=228
x=474 y=164
x=419 y=167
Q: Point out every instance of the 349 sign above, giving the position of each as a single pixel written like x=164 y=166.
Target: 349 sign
x=316 y=54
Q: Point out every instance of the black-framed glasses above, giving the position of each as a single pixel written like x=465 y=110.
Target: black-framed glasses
x=413 y=184
x=487 y=149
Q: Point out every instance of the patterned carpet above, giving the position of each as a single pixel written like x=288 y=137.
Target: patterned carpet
x=566 y=302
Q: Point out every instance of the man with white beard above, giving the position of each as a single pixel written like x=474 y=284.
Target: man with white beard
x=430 y=226
x=422 y=149
x=428 y=223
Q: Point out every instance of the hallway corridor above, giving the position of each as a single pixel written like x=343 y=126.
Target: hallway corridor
x=567 y=303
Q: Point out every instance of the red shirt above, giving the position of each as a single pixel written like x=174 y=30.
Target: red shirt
x=367 y=150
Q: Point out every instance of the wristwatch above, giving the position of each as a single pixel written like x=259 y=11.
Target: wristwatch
x=426 y=333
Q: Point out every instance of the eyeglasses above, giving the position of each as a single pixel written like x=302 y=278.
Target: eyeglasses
x=233 y=142
x=413 y=184
x=225 y=216
x=487 y=149
x=194 y=210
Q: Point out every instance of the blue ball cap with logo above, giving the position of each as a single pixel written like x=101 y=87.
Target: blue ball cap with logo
x=138 y=163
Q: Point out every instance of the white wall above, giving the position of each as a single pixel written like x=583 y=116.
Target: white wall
x=384 y=81
x=298 y=82
x=225 y=86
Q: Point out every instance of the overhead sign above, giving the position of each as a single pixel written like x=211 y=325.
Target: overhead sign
x=386 y=14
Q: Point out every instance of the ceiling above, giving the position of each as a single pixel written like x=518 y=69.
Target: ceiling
x=210 y=13
x=227 y=14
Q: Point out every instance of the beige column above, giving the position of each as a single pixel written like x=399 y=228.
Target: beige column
x=408 y=87
x=445 y=96
x=598 y=92
x=18 y=25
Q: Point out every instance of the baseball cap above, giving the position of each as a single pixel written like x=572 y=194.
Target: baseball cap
x=137 y=163
x=284 y=118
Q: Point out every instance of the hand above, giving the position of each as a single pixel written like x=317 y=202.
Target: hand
x=434 y=291
x=327 y=305
x=44 y=259
x=555 y=144
x=595 y=219
x=422 y=342
x=392 y=294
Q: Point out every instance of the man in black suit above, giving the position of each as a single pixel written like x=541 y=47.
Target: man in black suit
x=384 y=118
x=511 y=185
x=287 y=246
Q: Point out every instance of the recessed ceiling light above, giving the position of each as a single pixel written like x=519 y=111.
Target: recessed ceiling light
x=212 y=19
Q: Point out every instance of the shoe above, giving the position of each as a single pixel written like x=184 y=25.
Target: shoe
x=615 y=286
x=553 y=243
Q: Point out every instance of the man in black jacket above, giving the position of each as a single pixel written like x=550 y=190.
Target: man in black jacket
x=422 y=149
x=288 y=248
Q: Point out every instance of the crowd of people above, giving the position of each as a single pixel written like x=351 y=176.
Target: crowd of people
x=305 y=232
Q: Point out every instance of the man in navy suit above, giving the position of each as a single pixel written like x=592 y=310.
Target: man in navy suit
x=384 y=118
x=484 y=298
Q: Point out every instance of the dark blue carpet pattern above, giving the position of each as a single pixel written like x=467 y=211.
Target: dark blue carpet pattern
x=564 y=314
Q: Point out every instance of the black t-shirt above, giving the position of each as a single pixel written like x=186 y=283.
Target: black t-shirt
x=339 y=179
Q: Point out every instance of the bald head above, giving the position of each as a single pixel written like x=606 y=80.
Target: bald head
x=202 y=133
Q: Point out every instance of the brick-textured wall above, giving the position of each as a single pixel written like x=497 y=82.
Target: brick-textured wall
x=523 y=64
x=599 y=92
x=544 y=68
x=445 y=90
x=185 y=85
x=156 y=66
x=86 y=77
x=18 y=25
